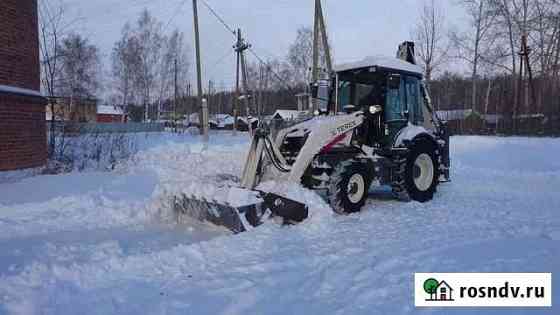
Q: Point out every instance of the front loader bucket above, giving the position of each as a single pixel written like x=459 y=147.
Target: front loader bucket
x=241 y=218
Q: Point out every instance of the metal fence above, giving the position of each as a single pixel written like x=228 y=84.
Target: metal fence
x=81 y=128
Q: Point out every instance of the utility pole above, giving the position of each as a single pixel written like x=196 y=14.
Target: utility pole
x=211 y=98
x=315 y=67
x=175 y=100
x=236 y=94
x=246 y=92
x=319 y=35
x=240 y=47
x=203 y=118
x=324 y=38
x=525 y=82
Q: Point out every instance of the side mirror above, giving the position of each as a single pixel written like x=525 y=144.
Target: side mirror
x=394 y=81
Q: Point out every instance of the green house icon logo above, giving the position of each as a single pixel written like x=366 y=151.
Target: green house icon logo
x=438 y=290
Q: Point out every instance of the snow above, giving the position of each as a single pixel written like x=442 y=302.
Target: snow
x=222 y=120
x=380 y=61
x=109 y=110
x=18 y=90
x=289 y=114
x=106 y=242
x=409 y=132
x=17 y=175
x=456 y=114
x=251 y=119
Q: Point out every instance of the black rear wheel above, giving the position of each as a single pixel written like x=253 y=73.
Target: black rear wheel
x=349 y=186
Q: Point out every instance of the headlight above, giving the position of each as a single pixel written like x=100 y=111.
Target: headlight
x=375 y=109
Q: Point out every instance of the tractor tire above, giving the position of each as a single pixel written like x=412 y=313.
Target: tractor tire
x=349 y=186
x=421 y=171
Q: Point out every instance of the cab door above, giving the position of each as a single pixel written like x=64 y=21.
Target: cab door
x=414 y=101
x=395 y=106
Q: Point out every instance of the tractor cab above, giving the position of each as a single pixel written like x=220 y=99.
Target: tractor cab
x=389 y=91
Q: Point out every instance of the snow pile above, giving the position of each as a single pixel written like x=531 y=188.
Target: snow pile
x=61 y=255
x=18 y=175
x=191 y=169
x=139 y=190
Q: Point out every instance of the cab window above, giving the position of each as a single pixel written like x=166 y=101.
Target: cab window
x=395 y=99
x=414 y=100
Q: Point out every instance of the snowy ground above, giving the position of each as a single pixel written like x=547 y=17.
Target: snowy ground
x=105 y=243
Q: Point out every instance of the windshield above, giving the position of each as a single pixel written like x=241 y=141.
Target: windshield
x=361 y=90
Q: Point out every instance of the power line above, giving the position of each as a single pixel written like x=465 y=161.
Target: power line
x=179 y=7
x=269 y=68
x=230 y=29
x=219 y=60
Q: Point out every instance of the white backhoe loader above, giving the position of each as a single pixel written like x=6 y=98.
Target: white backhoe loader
x=375 y=125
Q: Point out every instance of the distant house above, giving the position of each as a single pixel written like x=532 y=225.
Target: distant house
x=221 y=121
x=492 y=119
x=462 y=121
x=71 y=109
x=110 y=114
x=455 y=114
x=192 y=120
x=530 y=123
x=243 y=123
x=283 y=114
x=302 y=101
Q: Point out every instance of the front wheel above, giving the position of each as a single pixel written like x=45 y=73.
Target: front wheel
x=349 y=186
x=422 y=171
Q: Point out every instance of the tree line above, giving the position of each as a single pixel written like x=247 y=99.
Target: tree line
x=502 y=61
x=509 y=51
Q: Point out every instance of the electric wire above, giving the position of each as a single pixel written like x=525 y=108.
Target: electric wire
x=230 y=29
x=269 y=68
x=179 y=7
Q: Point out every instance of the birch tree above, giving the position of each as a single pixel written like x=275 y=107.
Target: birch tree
x=430 y=37
x=79 y=76
x=476 y=44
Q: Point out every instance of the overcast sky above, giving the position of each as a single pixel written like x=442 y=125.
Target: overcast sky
x=357 y=28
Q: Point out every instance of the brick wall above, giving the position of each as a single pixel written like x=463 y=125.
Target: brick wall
x=22 y=132
x=23 y=141
x=19 y=46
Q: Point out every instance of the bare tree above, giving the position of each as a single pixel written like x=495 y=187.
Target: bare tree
x=545 y=28
x=300 y=55
x=478 y=44
x=148 y=33
x=430 y=36
x=143 y=65
x=79 y=75
x=125 y=67
x=174 y=54
x=52 y=26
